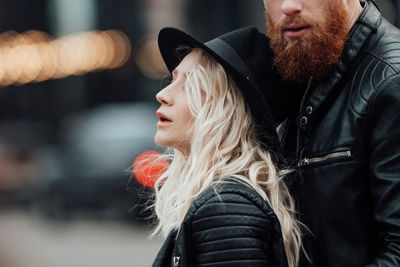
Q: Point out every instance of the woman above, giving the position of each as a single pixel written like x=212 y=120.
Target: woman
x=222 y=201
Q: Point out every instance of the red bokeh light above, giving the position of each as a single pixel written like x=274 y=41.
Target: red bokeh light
x=148 y=167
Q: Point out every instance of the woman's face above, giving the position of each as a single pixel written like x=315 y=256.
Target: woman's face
x=175 y=119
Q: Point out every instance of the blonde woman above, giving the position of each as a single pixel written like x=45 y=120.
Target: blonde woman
x=222 y=202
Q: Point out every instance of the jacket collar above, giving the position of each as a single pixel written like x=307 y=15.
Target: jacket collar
x=360 y=32
x=366 y=24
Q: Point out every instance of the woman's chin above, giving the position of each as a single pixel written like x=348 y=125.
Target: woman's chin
x=161 y=141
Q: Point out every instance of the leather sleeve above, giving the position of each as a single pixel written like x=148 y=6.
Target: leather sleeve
x=230 y=230
x=384 y=116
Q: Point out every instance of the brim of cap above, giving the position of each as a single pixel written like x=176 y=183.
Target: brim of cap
x=170 y=39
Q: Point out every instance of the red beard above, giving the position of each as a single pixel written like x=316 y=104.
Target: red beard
x=299 y=59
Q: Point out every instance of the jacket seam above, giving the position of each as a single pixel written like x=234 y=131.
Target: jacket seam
x=244 y=226
x=224 y=204
x=378 y=91
x=229 y=214
x=228 y=238
x=230 y=249
x=353 y=86
x=382 y=60
x=247 y=261
x=239 y=237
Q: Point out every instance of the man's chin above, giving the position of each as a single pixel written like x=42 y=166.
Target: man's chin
x=311 y=53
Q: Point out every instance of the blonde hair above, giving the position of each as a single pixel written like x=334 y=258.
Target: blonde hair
x=223 y=145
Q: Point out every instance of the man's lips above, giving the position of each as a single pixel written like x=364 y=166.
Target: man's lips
x=296 y=30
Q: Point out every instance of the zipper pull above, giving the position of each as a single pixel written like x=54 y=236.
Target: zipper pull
x=176 y=261
x=303 y=162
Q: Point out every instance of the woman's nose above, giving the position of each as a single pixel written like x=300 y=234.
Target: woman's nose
x=163 y=97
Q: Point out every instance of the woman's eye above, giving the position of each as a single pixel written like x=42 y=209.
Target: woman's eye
x=166 y=81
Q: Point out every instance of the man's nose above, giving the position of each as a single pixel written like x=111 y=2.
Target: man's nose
x=291 y=7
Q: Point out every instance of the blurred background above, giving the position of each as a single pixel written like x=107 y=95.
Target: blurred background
x=77 y=86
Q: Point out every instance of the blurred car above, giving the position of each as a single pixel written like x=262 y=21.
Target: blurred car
x=96 y=157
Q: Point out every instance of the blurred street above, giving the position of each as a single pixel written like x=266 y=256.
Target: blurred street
x=78 y=81
x=27 y=240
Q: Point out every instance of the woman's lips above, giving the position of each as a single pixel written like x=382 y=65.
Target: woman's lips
x=163 y=119
x=296 y=30
x=163 y=123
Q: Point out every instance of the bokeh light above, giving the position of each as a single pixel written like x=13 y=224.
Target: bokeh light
x=148 y=167
x=33 y=56
x=148 y=58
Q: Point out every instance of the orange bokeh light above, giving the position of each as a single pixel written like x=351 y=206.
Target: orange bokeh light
x=33 y=56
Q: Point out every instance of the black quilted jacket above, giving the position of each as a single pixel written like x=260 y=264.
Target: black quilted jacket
x=235 y=227
x=346 y=140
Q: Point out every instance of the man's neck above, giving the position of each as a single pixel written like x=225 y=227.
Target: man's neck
x=355 y=9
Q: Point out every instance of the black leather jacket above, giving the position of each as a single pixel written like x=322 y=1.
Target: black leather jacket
x=345 y=139
x=235 y=227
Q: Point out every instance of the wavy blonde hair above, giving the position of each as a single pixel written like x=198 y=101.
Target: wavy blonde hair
x=223 y=145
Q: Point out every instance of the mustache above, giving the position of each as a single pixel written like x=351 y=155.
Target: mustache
x=294 y=20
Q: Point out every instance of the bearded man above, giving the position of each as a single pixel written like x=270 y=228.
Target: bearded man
x=341 y=59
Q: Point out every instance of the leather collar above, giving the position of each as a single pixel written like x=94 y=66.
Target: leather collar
x=360 y=32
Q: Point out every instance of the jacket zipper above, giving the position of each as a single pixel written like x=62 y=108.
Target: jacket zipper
x=176 y=261
x=334 y=155
x=301 y=108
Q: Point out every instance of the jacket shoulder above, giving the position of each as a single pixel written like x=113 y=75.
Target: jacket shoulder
x=233 y=194
x=382 y=51
x=233 y=204
x=378 y=63
x=231 y=224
